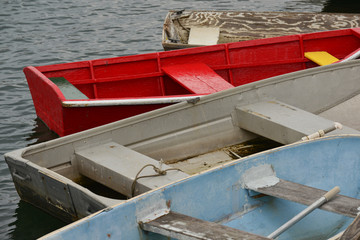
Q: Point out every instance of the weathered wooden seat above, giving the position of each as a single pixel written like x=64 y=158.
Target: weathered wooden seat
x=116 y=167
x=198 y=78
x=352 y=232
x=307 y=195
x=69 y=90
x=181 y=226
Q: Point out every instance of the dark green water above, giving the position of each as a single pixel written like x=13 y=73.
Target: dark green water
x=39 y=32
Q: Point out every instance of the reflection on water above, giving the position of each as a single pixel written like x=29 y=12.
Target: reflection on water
x=32 y=223
x=41 y=32
x=342 y=6
x=29 y=222
x=40 y=133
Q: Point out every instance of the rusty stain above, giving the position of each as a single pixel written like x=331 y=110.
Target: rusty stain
x=108 y=235
x=112 y=146
x=259 y=195
x=282 y=105
x=168 y=203
x=194 y=100
x=258 y=114
x=69 y=104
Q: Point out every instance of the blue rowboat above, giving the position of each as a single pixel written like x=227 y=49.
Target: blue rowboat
x=250 y=197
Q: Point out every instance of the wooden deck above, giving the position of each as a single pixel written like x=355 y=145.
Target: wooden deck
x=240 y=26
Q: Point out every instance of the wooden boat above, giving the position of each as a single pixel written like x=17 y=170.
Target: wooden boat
x=249 y=198
x=72 y=97
x=191 y=28
x=71 y=177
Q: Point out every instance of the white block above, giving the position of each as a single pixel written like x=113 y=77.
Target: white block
x=204 y=35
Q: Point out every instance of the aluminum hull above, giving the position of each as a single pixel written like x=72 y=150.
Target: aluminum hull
x=46 y=174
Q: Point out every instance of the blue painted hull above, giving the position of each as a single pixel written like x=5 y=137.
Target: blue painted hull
x=218 y=195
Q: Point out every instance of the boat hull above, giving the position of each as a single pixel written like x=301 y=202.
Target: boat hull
x=176 y=133
x=235 y=26
x=218 y=195
x=110 y=86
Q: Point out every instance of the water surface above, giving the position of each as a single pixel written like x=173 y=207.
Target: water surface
x=39 y=32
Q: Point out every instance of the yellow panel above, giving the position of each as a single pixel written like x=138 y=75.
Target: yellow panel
x=322 y=58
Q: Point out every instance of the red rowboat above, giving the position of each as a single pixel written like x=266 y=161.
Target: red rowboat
x=72 y=97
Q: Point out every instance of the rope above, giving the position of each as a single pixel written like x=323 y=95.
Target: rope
x=177 y=19
x=156 y=169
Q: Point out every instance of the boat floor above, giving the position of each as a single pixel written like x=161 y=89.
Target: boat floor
x=275 y=204
x=269 y=216
x=257 y=221
x=191 y=165
x=216 y=158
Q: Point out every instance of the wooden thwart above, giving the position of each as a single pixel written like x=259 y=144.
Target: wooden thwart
x=198 y=78
x=307 y=195
x=181 y=226
x=353 y=231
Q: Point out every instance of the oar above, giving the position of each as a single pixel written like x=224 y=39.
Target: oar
x=321 y=133
x=327 y=197
x=352 y=56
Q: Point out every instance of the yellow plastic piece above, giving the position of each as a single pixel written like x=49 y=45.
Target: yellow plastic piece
x=322 y=58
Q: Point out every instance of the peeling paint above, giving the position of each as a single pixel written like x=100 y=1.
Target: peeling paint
x=259 y=177
x=256 y=113
x=282 y=105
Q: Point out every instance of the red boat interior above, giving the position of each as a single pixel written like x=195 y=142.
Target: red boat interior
x=67 y=96
x=189 y=71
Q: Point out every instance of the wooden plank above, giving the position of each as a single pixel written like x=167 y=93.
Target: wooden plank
x=69 y=90
x=180 y=226
x=198 y=78
x=116 y=167
x=307 y=195
x=282 y=122
x=353 y=231
x=240 y=26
